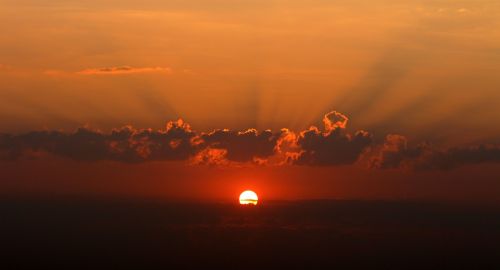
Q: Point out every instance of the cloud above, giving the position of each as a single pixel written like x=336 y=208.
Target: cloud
x=287 y=151
x=457 y=157
x=211 y=156
x=126 y=144
x=334 y=120
x=332 y=146
x=242 y=146
x=121 y=70
x=395 y=154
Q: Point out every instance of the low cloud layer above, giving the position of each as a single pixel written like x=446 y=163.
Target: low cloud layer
x=125 y=144
x=395 y=153
x=330 y=146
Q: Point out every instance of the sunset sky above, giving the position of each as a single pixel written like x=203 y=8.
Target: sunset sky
x=404 y=97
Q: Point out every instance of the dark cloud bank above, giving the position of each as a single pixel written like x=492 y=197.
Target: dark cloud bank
x=333 y=145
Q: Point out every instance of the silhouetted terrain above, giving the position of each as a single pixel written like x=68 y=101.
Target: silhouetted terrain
x=92 y=234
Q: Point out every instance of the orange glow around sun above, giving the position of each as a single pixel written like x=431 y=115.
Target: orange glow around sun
x=248 y=197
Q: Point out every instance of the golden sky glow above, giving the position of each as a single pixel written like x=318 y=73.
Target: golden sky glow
x=410 y=84
x=405 y=66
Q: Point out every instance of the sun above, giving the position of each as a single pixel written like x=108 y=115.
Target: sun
x=248 y=197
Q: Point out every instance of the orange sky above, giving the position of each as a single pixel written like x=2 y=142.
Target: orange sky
x=177 y=181
x=425 y=69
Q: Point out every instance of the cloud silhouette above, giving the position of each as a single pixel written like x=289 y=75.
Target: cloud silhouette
x=395 y=153
x=242 y=146
x=332 y=146
x=457 y=157
x=391 y=154
x=126 y=144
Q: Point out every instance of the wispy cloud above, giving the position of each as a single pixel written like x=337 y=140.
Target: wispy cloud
x=121 y=70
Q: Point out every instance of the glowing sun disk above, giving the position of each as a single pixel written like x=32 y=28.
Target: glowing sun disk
x=248 y=197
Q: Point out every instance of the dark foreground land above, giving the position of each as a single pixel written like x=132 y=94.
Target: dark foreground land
x=91 y=234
